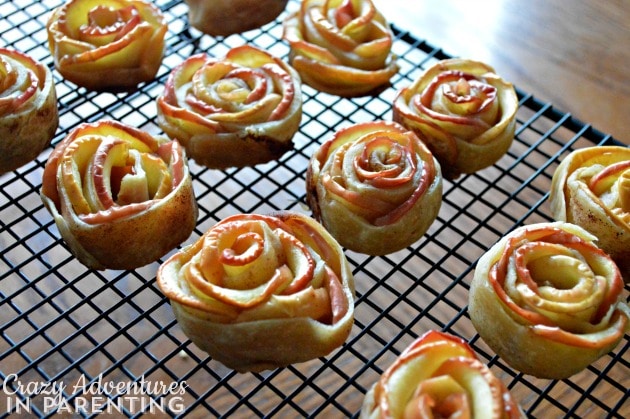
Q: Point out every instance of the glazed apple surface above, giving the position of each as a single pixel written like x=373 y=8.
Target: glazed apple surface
x=439 y=376
x=107 y=44
x=262 y=291
x=591 y=188
x=463 y=111
x=548 y=301
x=239 y=110
x=375 y=186
x=341 y=47
x=120 y=197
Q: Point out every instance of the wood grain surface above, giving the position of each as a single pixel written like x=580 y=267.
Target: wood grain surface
x=573 y=54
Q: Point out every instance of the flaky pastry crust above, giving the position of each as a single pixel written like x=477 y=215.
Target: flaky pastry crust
x=341 y=47
x=120 y=197
x=548 y=301
x=28 y=109
x=240 y=110
x=440 y=376
x=464 y=112
x=226 y=17
x=591 y=188
x=262 y=291
x=375 y=186
x=107 y=44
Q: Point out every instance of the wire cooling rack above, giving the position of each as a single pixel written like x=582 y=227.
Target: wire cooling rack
x=68 y=329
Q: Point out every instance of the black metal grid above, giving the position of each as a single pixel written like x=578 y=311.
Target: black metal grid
x=61 y=323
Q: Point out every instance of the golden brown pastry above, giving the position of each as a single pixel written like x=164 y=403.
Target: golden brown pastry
x=28 y=109
x=107 y=45
x=439 y=376
x=463 y=111
x=548 y=301
x=237 y=111
x=375 y=186
x=341 y=47
x=262 y=291
x=591 y=188
x=225 y=17
x=120 y=197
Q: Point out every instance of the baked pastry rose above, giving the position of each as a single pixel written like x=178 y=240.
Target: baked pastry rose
x=342 y=47
x=225 y=17
x=28 y=109
x=107 y=44
x=375 y=186
x=237 y=111
x=463 y=111
x=548 y=301
x=120 y=197
x=262 y=291
x=591 y=188
x=439 y=376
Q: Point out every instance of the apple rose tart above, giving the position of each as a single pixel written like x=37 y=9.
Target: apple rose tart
x=226 y=17
x=262 y=291
x=28 y=109
x=237 y=111
x=463 y=111
x=439 y=376
x=591 y=188
x=548 y=301
x=120 y=197
x=375 y=186
x=341 y=47
x=107 y=44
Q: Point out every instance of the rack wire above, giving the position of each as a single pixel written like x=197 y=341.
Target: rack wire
x=65 y=325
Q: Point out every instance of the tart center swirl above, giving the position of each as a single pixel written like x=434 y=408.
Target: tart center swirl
x=555 y=279
x=228 y=92
x=21 y=79
x=108 y=170
x=360 y=171
x=251 y=266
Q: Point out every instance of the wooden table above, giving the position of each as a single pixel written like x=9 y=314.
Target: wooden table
x=575 y=55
